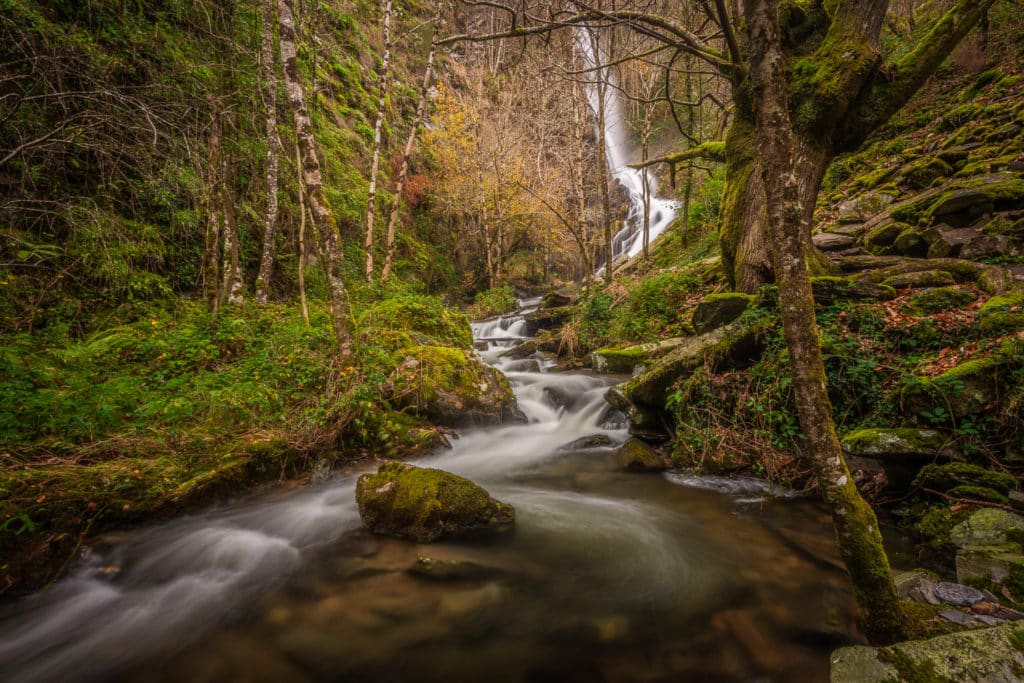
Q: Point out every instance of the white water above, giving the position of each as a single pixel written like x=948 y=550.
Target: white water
x=628 y=241
x=247 y=591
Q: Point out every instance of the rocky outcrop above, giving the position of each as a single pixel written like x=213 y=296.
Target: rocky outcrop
x=965 y=389
x=639 y=456
x=987 y=655
x=627 y=359
x=425 y=505
x=898 y=444
x=989 y=550
x=717 y=310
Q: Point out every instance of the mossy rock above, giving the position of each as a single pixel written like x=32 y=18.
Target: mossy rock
x=966 y=389
x=424 y=505
x=991 y=567
x=981 y=655
x=717 y=310
x=910 y=243
x=897 y=444
x=639 y=456
x=436 y=323
x=451 y=388
x=548 y=318
x=828 y=289
x=1002 y=313
x=963 y=197
x=617 y=360
x=923 y=173
x=961 y=474
x=978 y=493
x=883 y=236
x=988 y=527
x=939 y=300
x=919 y=279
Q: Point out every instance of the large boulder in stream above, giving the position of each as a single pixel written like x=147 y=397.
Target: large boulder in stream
x=451 y=388
x=425 y=505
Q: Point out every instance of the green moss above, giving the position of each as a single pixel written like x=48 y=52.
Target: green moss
x=923 y=173
x=422 y=314
x=920 y=278
x=978 y=493
x=936 y=525
x=424 y=504
x=878 y=239
x=939 y=300
x=622 y=360
x=911 y=671
x=1002 y=313
x=961 y=474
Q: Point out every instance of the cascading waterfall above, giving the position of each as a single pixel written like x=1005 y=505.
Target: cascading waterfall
x=628 y=241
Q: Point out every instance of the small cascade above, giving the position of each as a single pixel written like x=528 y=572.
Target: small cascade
x=628 y=241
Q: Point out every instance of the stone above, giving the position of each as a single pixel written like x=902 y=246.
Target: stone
x=986 y=655
x=452 y=388
x=989 y=246
x=638 y=456
x=883 y=236
x=898 y=444
x=864 y=206
x=449 y=570
x=548 y=318
x=910 y=243
x=951 y=476
x=995 y=565
x=828 y=289
x=908 y=581
x=425 y=505
x=963 y=390
x=587 y=442
x=920 y=278
x=956 y=616
x=556 y=300
x=717 y=310
x=944 y=240
x=988 y=526
x=627 y=359
x=520 y=351
x=831 y=241
x=957 y=594
x=1002 y=313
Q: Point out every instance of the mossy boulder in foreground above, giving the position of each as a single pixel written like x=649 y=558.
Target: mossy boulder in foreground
x=989 y=654
x=425 y=505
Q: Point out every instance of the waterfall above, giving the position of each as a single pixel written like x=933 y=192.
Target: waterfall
x=628 y=241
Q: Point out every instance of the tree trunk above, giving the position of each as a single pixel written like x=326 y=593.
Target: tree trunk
x=421 y=109
x=233 y=286
x=603 y=178
x=211 y=262
x=385 y=72
x=323 y=220
x=302 y=235
x=270 y=99
x=857 y=533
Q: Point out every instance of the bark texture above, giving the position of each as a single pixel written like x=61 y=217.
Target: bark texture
x=403 y=172
x=324 y=222
x=371 y=203
x=211 y=260
x=857 y=534
x=270 y=100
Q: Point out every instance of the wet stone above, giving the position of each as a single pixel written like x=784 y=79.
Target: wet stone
x=958 y=594
x=956 y=616
x=587 y=442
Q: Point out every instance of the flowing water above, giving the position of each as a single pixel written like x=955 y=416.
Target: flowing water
x=608 y=576
x=628 y=241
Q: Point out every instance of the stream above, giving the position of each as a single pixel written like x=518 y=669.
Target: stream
x=608 y=576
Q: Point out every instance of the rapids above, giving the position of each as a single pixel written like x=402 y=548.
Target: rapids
x=608 y=576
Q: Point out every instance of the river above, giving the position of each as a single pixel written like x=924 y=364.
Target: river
x=608 y=576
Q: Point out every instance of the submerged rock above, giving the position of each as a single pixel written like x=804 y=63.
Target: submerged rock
x=587 y=442
x=641 y=457
x=990 y=655
x=424 y=505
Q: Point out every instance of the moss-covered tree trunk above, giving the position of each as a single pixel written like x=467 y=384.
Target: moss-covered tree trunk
x=839 y=90
x=378 y=128
x=324 y=222
x=857 y=533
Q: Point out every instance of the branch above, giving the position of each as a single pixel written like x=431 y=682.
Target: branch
x=894 y=83
x=708 y=151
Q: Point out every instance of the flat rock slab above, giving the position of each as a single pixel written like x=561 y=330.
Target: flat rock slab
x=986 y=655
x=958 y=594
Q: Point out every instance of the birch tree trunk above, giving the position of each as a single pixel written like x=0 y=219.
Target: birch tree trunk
x=385 y=72
x=857 y=533
x=421 y=109
x=603 y=174
x=211 y=260
x=232 y=290
x=302 y=235
x=320 y=209
x=270 y=99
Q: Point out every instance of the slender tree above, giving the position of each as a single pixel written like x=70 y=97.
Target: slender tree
x=403 y=171
x=211 y=249
x=384 y=79
x=320 y=209
x=269 y=69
